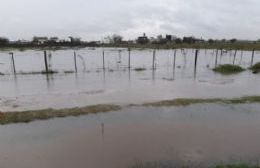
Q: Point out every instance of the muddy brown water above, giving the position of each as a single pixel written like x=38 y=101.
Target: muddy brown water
x=208 y=134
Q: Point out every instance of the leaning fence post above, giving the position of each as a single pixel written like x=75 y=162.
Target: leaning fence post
x=46 y=62
x=12 y=56
x=234 y=60
x=252 y=59
x=154 y=53
x=75 y=62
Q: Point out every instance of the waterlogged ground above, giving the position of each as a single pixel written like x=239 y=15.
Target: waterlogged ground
x=117 y=85
x=198 y=134
x=201 y=134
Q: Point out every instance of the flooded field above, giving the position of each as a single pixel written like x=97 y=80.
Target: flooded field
x=202 y=133
x=194 y=135
x=117 y=84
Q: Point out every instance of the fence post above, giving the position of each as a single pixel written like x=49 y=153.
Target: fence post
x=252 y=59
x=46 y=62
x=103 y=55
x=154 y=53
x=129 y=58
x=75 y=62
x=174 y=59
x=13 y=63
x=216 y=60
x=234 y=60
x=196 y=59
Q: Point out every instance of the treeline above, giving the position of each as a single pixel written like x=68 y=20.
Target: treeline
x=46 y=42
x=166 y=42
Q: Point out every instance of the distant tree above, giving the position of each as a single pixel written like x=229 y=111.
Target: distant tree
x=233 y=40
x=178 y=40
x=4 y=41
x=116 y=39
x=223 y=40
x=211 y=41
x=189 y=40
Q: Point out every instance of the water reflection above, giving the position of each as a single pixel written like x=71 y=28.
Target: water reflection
x=103 y=131
x=50 y=82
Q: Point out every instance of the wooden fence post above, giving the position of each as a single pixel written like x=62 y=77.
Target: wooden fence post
x=129 y=58
x=75 y=61
x=154 y=54
x=174 y=59
x=46 y=62
x=234 y=60
x=196 y=59
x=103 y=54
x=13 y=63
x=252 y=59
x=216 y=60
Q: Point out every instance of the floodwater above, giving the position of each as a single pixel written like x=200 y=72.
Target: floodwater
x=194 y=135
x=201 y=134
x=117 y=85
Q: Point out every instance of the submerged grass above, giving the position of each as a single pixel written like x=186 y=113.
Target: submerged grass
x=139 y=69
x=29 y=116
x=238 y=166
x=169 y=164
x=228 y=69
x=186 y=102
x=37 y=72
x=256 y=68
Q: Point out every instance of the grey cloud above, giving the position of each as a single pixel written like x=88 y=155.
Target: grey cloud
x=95 y=19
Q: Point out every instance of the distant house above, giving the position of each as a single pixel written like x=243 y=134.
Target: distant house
x=74 y=40
x=40 y=40
x=54 y=39
x=170 y=37
x=143 y=39
x=21 y=42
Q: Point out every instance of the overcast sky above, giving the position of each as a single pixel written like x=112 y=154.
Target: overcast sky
x=94 y=19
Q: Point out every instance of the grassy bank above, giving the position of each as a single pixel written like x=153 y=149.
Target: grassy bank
x=256 y=68
x=186 y=102
x=173 y=165
x=239 y=45
x=228 y=69
x=218 y=45
x=29 y=116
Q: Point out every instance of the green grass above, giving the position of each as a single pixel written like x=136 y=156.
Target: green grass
x=45 y=114
x=37 y=72
x=187 y=102
x=237 y=166
x=29 y=116
x=256 y=68
x=168 y=164
x=228 y=69
x=139 y=69
x=249 y=46
x=69 y=72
